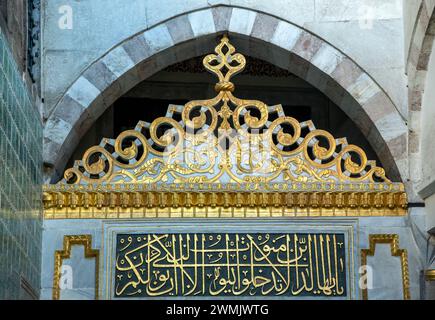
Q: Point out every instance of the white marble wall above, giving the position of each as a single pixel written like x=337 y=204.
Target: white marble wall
x=411 y=9
x=83 y=287
x=419 y=26
x=424 y=160
x=387 y=282
x=410 y=238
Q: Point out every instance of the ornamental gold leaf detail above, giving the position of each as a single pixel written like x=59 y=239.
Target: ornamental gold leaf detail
x=224 y=140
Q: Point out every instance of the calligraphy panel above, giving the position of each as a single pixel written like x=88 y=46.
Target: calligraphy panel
x=230 y=264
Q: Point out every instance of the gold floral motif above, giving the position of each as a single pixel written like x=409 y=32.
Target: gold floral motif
x=224 y=140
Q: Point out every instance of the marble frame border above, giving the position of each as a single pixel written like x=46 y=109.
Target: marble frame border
x=393 y=240
x=60 y=255
x=110 y=228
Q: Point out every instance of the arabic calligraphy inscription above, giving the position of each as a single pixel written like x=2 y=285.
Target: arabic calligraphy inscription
x=230 y=264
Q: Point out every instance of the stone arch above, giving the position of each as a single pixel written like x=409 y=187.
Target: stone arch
x=420 y=53
x=253 y=33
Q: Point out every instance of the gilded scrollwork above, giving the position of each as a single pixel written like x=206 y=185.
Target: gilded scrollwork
x=224 y=140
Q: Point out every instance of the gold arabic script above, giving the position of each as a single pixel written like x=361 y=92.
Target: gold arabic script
x=230 y=264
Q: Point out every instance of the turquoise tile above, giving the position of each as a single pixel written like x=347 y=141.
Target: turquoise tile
x=20 y=180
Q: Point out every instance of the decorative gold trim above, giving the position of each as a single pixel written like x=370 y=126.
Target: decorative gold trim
x=225 y=157
x=279 y=200
x=60 y=255
x=430 y=275
x=393 y=240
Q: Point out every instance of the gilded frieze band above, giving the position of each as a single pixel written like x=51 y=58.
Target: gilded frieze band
x=136 y=204
x=430 y=275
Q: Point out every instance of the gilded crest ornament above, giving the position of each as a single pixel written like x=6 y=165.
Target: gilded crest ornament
x=225 y=157
x=225 y=140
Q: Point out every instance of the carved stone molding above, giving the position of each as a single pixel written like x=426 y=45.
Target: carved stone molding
x=60 y=255
x=393 y=240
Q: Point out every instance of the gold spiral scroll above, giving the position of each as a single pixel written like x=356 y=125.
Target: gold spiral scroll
x=225 y=140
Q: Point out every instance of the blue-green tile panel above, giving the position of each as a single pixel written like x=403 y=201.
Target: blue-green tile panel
x=20 y=182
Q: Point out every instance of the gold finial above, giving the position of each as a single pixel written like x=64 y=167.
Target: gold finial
x=224 y=64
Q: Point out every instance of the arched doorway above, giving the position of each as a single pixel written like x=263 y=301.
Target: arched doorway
x=240 y=183
x=267 y=38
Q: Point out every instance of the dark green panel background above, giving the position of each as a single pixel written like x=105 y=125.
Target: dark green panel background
x=135 y=248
